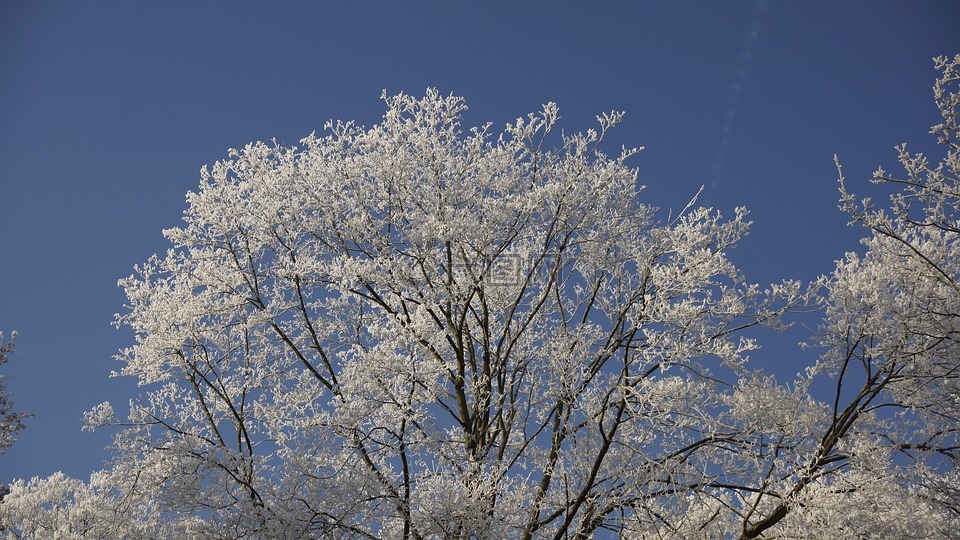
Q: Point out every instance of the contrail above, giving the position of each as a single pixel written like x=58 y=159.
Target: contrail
x=735 y=89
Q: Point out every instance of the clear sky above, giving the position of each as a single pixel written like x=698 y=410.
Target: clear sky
x=109 y=109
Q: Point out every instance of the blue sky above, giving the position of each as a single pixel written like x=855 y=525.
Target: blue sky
x=109 y=109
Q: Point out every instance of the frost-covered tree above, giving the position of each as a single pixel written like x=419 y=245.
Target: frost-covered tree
x=65 y=508
x=879 y=458
x=11 y=421
x=415 y=331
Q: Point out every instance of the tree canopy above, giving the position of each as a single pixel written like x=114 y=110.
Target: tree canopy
x=420 y=330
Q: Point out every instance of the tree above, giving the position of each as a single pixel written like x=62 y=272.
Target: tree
x=11 y=422
x=408 y=331
x=888 y=436
x=65 y=508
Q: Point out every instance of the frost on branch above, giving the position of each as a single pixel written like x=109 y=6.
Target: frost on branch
x=101 y=415
x=905 y=292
